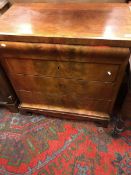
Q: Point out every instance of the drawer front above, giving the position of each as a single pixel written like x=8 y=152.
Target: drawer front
x=64 y=101
x=74 y=70
x=54 y=86
x=64 y=52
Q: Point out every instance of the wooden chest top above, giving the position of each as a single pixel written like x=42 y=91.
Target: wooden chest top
x=70 y=23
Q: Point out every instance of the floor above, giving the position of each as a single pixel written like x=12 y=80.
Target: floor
x=38 y=145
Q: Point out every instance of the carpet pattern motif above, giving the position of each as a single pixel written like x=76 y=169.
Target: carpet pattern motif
x=37 y=145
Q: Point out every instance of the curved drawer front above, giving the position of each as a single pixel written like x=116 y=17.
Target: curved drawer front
x=63 y=69
x=63 y=52
x=81 y=88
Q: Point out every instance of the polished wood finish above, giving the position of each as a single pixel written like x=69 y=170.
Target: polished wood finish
x=61 y=78
x=67 y=112
x=64 y=86
x=53 y=60
x=68 y=23
x=64 y=103
x=64 y=69
x=62 y=52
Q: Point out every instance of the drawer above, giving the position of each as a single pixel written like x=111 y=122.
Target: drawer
x=62 y=52
x=74 y=70
x=64 y=101
x=81 y=88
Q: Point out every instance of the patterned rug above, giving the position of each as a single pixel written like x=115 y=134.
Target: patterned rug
x=37 y=145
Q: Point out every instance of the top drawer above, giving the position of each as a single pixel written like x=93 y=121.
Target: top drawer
x=63 y=69
x=62 y=52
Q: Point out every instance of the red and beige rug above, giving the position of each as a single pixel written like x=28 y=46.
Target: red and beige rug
x=37 y=145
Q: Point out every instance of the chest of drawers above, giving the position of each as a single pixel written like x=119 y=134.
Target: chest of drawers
x=65 y=80
x=54 y=71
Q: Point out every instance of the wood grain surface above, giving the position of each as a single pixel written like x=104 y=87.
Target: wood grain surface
x=50 y=77
x=52 y=56
x=64 y=69
x=69 y=23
